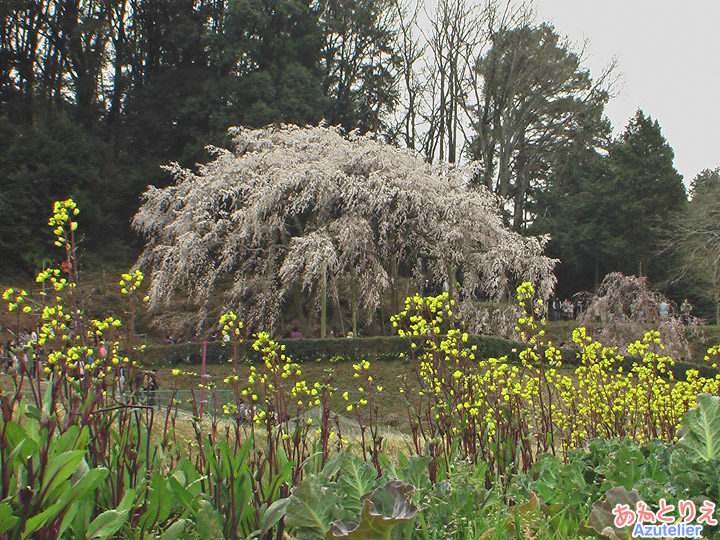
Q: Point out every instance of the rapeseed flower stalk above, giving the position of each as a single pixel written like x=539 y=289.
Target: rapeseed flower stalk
x=459 y=404
x=539 y=360
x=713 y=357
x=366 y=410
x=231 y=329
x=279 y=400
x=506 y=414
x=645 y=403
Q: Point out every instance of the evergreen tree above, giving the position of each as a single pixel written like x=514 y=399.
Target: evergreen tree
x=280 y=78
x=359 y=62
x=608 y=211
x=577 y=212
x=646 y=190
x=53 y=159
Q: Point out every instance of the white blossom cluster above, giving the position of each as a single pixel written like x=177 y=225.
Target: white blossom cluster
x=296 y=206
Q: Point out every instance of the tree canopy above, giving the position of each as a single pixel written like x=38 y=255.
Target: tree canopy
x=95 y=96
x=535 y=100
x=609 y=208
x=301 y=207
x=144 y=82
x=646 y=189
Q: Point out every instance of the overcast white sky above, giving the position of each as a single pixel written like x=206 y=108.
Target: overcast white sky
x=669 y=58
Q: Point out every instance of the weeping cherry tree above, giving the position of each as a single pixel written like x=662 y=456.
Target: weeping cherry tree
x=295 y=211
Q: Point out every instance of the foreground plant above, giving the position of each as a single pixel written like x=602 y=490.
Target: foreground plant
x=506 y=414
x=79 y=454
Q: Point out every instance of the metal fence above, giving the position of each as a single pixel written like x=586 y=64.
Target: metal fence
x=186 y=400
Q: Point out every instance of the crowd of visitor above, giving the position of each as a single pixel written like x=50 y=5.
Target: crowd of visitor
x=566 y=310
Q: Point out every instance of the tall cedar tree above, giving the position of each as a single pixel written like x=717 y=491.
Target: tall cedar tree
x=606 y=211
x=577 y=212
x=646 y=190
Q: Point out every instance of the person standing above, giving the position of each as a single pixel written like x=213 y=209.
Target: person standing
x=557 y=309
x=120 y=385
x=152 y=386
x=685 y=309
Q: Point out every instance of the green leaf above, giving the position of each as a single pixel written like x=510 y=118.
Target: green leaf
x=81 y=520
x=59 y=469
x=242 y=487
x=7 y=520
x=176 y=530
x=159 y=503
x=602 y=519
x=626 y=467
x=65 y=442
x=128 y=501
x=332 y=466
x=56 y=481
x=78 y=494
x=700 y=434
x=271 y=516
x=209 y=523
x=416 y=472
x=21 y=443
x=106 y=524
x=86 y=483
x=24 y=450
x=182 y=494
x=38 y=521
x=356 y=479
x=310 y=507
x=70 y=514
x=192 y=479
x=384 y=509
x=48 y=395
x=528 y=515
x=694 y=478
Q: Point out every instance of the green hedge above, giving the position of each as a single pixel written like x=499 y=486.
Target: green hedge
x=370 y=348
x=308 y=349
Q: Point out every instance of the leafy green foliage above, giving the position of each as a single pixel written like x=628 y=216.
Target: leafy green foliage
x=645 y=190
x=531 y=69
x=607 y=211
x=311 y=508
x=695 y=459
x=209 y=522
x=383 y=509
x=53 y=159
x=602 y=518
x=77 y=461
x=574 y=487
x=700 y=435
x=357 y=479
x=53 y=485
x=576 y=210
